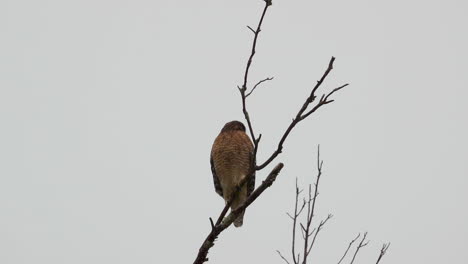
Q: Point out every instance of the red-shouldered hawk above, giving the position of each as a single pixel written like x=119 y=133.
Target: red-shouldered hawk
x=231 y=161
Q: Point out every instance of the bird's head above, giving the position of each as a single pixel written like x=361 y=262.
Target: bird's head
x=233 y=126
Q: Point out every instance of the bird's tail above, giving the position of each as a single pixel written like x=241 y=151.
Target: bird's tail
x=241 y=197
x=239 y=220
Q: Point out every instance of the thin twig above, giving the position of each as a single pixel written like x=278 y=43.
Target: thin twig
x=311 y=208
x=233 y=196
x=228 y=220
x=243 y=88
x=301 y=116
x=296 y=214
x=349 y=246
x=224 y=221
x=279 y=253
x=257 y=84
x=361 y=245
x=323 y=101
x=322 y=223
x=383 y=250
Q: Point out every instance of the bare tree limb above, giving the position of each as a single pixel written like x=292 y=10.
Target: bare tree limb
x=257 y=84
x=301 y=116
x=233 y=196
x=322 y=223
x=361 y=245
x=305 y=228
x=243 y=88
x=349 y=246
x=228 y=220
x=383 y=250
x=311 y=209
x=253 y=196
x=279 y=253
x=310 y=236
x=296 y=214
x=224 y=221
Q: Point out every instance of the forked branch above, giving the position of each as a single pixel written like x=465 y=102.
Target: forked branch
x=302 y=114
x=383 y=250
x=362 y=244
x=309 y=234
x=224 y=222
x=349 y=246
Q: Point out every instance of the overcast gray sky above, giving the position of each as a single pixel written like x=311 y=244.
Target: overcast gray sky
x=108 y=110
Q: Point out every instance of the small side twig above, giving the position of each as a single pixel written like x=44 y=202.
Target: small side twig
x=309 y=234
x=311 y=209
x=225 y=222
x=361 y=245
x=349 y=246
x=233 y=196
x=243 y=88
x=322 y=223
x=257 y=84
x=297 y=212
x=383 y=250
x=279 y=253
x=252 y=197
x=302 y=114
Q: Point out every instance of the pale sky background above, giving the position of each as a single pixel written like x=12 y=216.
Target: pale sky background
x=108 y=110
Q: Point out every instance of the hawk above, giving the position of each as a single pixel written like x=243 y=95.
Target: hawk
x=231 y=161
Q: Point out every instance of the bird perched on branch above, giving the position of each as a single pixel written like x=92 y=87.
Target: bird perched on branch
x=231 y=161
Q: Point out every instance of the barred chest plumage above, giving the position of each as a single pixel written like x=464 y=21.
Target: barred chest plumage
x=231 y=162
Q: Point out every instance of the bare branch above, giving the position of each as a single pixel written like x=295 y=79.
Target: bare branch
x=322 y=223
x=361 y=245
x=279 y=253
x=212 y=224
x=258 y=83
x=253 y=196
x=323 y=101
x=349 y=246
x=233 y=196
x=311 y=208
x=293 y=242
x=227 y=221
x=300 y=114
x=243 y=88
x=224 y=221
x=385 y=246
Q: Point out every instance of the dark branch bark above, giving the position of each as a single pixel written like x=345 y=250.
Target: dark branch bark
x=311 y=211
x=279 y=253
x=224 y=221
x=361 y=245
x=243 y=88
x=227 y=221
x=296 y=214
x=349 y=246
x=257 y=84
x=306 y=231
x=383 y=250
x=301 y=116
x=319 y=228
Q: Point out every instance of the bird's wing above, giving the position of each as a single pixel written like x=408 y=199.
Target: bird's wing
x=216 y=182
x=251 y=182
